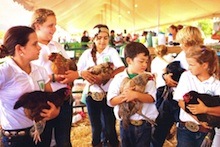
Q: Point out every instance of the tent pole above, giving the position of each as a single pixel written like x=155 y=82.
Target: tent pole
x=158 y=18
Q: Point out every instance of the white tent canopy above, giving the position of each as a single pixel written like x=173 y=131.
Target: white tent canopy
x=132 y=15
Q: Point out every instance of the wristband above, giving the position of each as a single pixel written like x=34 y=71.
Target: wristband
x=79 y=72
x=53 y=78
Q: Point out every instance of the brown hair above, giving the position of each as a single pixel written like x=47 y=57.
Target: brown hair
x=40 y=16
x=93 y=51
x=161 y=50
x=174 y=28
x=133 y=49
x=14 y=36
x=204 y=54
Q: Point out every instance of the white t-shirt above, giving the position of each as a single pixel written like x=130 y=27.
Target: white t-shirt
x=13 y=83
x=157 y=67
x=182 y=58
x=190 y=82
x=149 y=109
x=46 y=50
x=109 y=54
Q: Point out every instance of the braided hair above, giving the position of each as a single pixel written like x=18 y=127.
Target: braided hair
x=99 y=28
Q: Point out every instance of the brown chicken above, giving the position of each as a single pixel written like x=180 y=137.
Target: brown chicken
x=127 y=109
x=61 y=64
x=33 y=104
x=104 y=70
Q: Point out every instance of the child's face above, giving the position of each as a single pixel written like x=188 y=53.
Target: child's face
x=196 y=68
x=138 y=64
x=32 y=49
x=101 y=40
x=47 y=29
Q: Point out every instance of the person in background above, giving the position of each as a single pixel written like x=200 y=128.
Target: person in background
x=161 y=131
x=128 y=38
x=179 y=27
x=135 y=38
x=19 y=76
x=85 y=39
x=112 y=38
x=163 y=59
x=173 y=30
x=100 y=53
x=44 y=22
x=203 y=77
x=188 y=37
x=137 y=134
x=216 y=35
x=143 y=37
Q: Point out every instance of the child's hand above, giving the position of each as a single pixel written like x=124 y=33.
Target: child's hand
x=198 y=108
x=205 y=125
x=130 y=94
x=51 y=113
x=88 y=76
x=169 y=81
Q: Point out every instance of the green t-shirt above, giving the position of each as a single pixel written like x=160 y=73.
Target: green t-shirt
x=132 y=75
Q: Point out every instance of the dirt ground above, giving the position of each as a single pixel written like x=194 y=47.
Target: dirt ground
x=81 y=134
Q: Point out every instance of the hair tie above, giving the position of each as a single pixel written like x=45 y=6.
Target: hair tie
x=96 y=31
x=203 y=49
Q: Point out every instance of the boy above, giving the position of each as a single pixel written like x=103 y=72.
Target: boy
x=136 y=56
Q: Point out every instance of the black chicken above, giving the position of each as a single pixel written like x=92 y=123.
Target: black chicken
x=34 y=102
x=213 y=121
x=175 y=68
x=210 y=101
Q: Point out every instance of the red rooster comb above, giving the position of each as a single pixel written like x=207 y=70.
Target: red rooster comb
x=186 y=97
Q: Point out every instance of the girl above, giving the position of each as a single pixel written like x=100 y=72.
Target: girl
x=19 y=76
x=163 y=59
x=100 y=53
x=203 y=77
x=44 y=22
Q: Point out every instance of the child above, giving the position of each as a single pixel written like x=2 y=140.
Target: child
x=136 y=56
x=203 y=77
x=19 y=76
x=44 y=23
x=100 y=114
x=188 y=37
x=163 y=59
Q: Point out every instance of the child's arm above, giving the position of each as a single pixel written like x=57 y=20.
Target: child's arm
x=132 y=95
x=202 y=108
x=117 y=100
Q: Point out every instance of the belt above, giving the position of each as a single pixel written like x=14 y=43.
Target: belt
x=136 y=122
x=193 y=127
x=15 y=133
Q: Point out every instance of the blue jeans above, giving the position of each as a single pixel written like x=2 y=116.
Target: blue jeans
x=136 y=136
x=62 y=127
x=95 y=108
x=186 y=138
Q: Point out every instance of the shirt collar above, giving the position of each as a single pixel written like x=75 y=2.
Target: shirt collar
x=16 y=68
